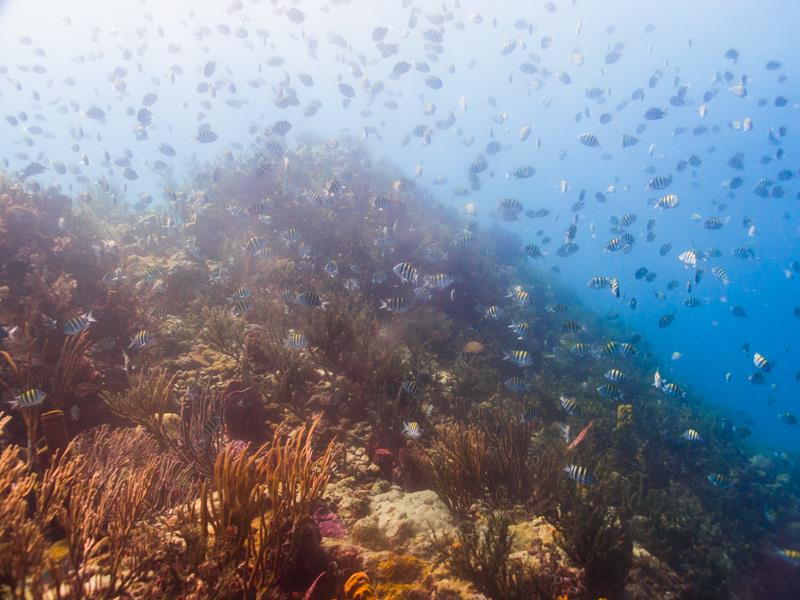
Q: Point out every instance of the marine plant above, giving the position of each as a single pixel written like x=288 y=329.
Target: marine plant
x=255 y=513
x=598 y=539
x=146 y=402
x=223 y=332
x=480 y=552
x=490 y=460
x=103 y=493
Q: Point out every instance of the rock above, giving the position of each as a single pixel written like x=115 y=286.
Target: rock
x=650 y=578
x=473 y=347
x=330 y=525
x=368 y=533
x=407 y=518
x=527 y=532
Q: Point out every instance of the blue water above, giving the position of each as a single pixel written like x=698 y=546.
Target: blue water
x=89 y=40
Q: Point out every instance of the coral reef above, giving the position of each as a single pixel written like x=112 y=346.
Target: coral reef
x=280 y=417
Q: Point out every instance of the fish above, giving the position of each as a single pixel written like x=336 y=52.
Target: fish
x=411 y=388
x=761 y=362
x=310 y=299
x=295 y=340
x=396 y=304
x=666 y=320
x=520 y=358
x=412 y=430
x=407 y=272
x=579 y=474
x=570 y=405
x=673 y=390
x=240 y=308
x=520 y=296
x=516 y=385
x=79 y=324
x=28 y=399
x=789 y=555
x=610 y=392
x=718 y=480
x=256 y=246
x=141 y=339
x=691 y=435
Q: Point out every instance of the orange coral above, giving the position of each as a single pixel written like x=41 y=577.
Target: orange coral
x=358 y=587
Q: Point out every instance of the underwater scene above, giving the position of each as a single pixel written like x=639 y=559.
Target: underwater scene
x=399 y=300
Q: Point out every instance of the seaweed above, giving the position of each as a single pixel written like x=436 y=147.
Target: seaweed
x=491 y=460
x=598 y=539
x=258 y=506
x=481 y=554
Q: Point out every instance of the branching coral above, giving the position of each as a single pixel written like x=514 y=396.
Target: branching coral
x=259 y=507
x=489 y=461
x=223 y=332
x=598 y=539
x=146 y=401
x=102 y=500
x=22 y=545
x=481 y=554
x=194 y=436
x=294 y=480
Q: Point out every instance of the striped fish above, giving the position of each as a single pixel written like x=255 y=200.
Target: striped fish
x=331 y=268
x=28 y=399
x=256 y=246
x=310 y=299
x=610 y=348
x=673 y=390
x=615 y=376
x=521 y=358
x=720 y=274
x=556 y=308
x=666 y=320
x=610 y=391
x=580 y=349
x=789 y=555
x=205 y=135
x=629 y=140
x=579 y=474
x=691 y=435
x=439 y=281
x=78 y=324
x=295 y=340
x=407 y=272
x=570 y=405
x=398 y=304
x=571 y=327
x=658 y=381
x=240 y=307
x=761 y=362
x=718 y=480
x=152 y=273
x=242 y=293
x=412 y=429
x=519 y=329
x=516 y=385
x=668 y=201
x=412 y=388
x=141 y=339
x=492 y=313
x=520 y=296
x=598 y=282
